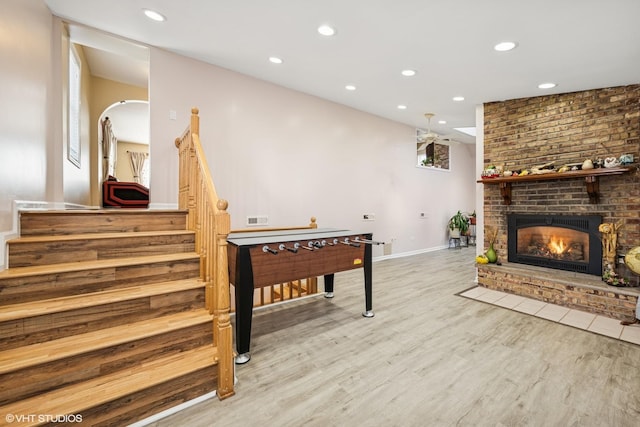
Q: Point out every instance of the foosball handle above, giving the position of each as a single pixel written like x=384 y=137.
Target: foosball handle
x=266 y=249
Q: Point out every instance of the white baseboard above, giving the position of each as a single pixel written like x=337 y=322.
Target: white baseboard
x=410 y=253
x=173 y=410
x=163 y=206
x=180 y=407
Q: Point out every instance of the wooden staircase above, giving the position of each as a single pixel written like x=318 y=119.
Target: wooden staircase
x=102 y=316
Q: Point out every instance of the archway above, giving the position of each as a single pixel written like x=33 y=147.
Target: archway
x=129 y=122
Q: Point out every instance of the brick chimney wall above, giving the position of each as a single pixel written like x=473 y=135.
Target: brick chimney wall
x=565 y=128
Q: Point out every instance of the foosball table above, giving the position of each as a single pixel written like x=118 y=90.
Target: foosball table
x=265 y=258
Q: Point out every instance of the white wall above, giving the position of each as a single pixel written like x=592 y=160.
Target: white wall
x=25 y=85
x=290 y=156
x=479 y=186
x=30 y=152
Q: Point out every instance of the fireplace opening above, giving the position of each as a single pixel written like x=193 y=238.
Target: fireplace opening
x=564 y=242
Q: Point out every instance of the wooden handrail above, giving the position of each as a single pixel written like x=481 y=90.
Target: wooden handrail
x=207 y=216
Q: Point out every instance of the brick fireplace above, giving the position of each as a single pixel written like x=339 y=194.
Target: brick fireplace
x=564 y=129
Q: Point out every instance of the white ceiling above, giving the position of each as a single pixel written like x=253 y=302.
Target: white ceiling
x=578 y=44
x=112 y=57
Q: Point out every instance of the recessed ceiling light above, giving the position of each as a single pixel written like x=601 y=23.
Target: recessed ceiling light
x=275 y=60
x=402 y=107
x=408 y=73
x=326 y=30
x=546 y=85
x=350 y=87
x=152 y=14
x=458 y=98
x=505 y=46
x=442 y=122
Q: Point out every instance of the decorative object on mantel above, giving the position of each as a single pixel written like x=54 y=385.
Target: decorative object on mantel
x=587 y=164
x=626 y=159
x=490 y=172
x=611 y=162
x=492 y=234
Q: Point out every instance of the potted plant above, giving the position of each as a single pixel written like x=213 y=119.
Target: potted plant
x=428 y=161
x=458 y=224
x=472 y=218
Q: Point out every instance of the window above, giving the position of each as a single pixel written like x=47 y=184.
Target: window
x=75 y=81
x=433 y=155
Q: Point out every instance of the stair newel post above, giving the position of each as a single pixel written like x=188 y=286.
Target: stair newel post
x=221 y=316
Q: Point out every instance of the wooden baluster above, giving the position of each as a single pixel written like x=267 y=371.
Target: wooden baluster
x=208 y=259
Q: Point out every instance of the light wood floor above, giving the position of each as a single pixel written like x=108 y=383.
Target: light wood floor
x=427 y=358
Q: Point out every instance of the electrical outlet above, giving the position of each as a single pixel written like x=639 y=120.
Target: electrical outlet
x=368 y=217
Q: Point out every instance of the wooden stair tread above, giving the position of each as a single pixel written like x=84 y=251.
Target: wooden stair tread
x=66 y=267
x=96 y=236
x=53 y=305
x=76 y=398
x=30 y=355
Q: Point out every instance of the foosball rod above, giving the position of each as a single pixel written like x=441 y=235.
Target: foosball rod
x=367 y=241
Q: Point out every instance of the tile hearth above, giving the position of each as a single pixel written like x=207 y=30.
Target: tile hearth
x=584 y=292
x=556 y=313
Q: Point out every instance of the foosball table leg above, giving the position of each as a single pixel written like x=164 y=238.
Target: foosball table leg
x=243 y=358
x=328 y=285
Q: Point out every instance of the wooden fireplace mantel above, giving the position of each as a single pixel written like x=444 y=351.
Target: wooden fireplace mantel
x=590 y=176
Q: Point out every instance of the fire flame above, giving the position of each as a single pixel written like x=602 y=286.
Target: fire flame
x=557 y=246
